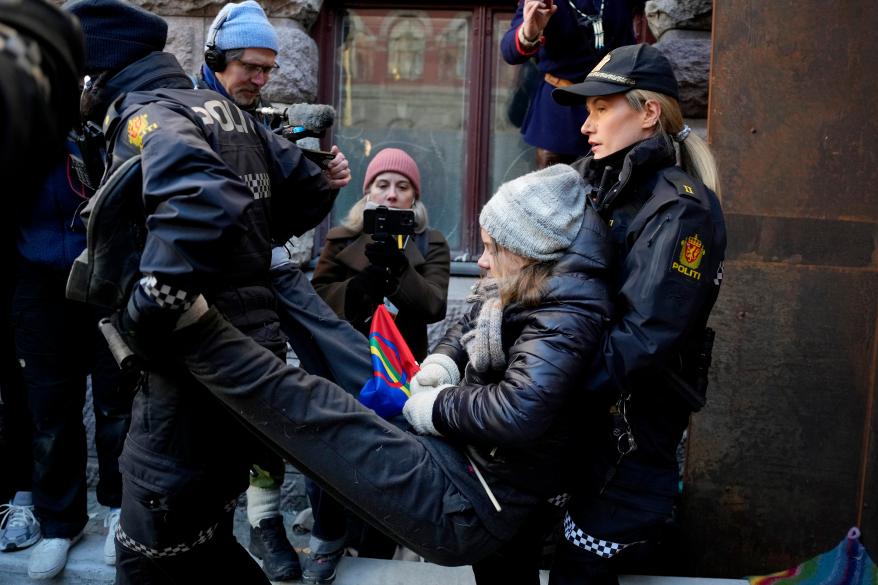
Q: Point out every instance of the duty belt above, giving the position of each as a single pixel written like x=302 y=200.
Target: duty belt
x=557 y=81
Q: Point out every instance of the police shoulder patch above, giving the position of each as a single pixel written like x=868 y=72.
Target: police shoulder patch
x=692 y=251
x=138 y=127
x=683 y=183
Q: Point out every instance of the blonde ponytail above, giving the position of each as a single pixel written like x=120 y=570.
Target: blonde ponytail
x=695 y=156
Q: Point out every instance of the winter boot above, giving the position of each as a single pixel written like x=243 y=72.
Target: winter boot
x=268 y=542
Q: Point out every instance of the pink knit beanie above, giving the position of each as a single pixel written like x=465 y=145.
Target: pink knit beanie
x=396 y=161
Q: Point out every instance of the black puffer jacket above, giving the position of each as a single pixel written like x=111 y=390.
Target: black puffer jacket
x=516 y=423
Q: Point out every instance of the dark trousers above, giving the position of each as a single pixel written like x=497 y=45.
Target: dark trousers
x=329 y=347
x=15 y=423
x=518 y=562
x=607 y=520
x=216 y=559
x=420 y=491
x=337 y=527
x=324 y=344
x=58 y=344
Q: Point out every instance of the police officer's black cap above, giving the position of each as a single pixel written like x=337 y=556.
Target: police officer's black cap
x=621 y=70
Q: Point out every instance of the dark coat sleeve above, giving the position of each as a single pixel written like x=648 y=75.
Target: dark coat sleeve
x=331 y=277
x=301 y=196
x=510 y=48
x=546 y=363
x=193 y=217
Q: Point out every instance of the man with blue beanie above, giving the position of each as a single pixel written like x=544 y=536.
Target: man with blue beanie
x=240 y=54
x=217 y=188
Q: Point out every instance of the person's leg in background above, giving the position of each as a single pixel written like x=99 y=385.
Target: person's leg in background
x=112 y=393
x=49 y=334
x=268 y=537
x=19 y=528
x=328 y=535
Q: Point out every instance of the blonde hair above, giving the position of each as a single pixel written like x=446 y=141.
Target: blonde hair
x=354 y=219
x=695 y=156
x=528 y=285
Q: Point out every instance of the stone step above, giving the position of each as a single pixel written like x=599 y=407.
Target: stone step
x=85 y=567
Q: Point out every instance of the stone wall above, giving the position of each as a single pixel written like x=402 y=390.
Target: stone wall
x=682 y=32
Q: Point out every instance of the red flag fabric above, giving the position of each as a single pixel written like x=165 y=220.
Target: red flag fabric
x=393 y=367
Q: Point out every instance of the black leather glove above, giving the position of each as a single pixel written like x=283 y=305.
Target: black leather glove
x=145 y=326
x=384 y=251
x=366 y=291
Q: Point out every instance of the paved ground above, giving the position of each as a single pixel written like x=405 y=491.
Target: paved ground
x=85 y=565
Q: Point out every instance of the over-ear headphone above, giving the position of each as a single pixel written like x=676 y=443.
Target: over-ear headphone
x=214 y=58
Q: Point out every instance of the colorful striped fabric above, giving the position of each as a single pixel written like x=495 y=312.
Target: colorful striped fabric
x=846 y=564
x=393 y=366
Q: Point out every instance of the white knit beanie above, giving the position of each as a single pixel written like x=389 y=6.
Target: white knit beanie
x=537 y=215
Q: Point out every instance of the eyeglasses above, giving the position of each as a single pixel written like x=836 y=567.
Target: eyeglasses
x=252 y=69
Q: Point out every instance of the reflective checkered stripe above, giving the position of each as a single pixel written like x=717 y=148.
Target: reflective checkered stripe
x=165 y=296
x=602 y=548
x=259 y=183
x=170 y=551
x=560 y=501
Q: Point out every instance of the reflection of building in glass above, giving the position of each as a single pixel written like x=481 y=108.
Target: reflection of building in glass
x=404 y=69
x=452 y=49
x=404 y=81
x=359 y=45
x=405 y=49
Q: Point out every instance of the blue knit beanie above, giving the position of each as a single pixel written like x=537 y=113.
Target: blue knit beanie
x=117 y=33
x=242 y=26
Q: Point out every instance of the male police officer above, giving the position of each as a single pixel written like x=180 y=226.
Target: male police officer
x=217 y=189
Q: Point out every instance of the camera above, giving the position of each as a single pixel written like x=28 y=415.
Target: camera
x=386 y=220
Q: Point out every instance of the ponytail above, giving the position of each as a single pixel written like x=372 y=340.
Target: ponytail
x=695 y=156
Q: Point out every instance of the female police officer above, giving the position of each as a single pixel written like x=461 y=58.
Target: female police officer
x=656 y=184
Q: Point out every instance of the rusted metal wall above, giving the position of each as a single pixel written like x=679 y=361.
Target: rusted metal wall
x=783 y=460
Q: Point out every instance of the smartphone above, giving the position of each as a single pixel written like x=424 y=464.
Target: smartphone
x=321 y=157
x=381 y=219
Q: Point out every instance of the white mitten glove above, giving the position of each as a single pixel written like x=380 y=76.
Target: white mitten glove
x=418 y=410
x=436 y=369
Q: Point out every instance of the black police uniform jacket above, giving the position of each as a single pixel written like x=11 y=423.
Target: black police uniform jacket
x=218 y=189
x=517 y=423
x=669 y=237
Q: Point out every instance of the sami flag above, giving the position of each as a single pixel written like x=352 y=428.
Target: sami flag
x=393 y=367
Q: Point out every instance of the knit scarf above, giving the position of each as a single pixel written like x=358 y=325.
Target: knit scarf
x=484 y=342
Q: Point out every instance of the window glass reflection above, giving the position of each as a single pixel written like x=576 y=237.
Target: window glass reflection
x=402 y=84
x=511 y=157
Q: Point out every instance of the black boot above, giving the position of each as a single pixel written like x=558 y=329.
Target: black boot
x=268 y=542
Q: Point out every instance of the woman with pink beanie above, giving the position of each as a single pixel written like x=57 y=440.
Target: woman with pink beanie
x=355 y=273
